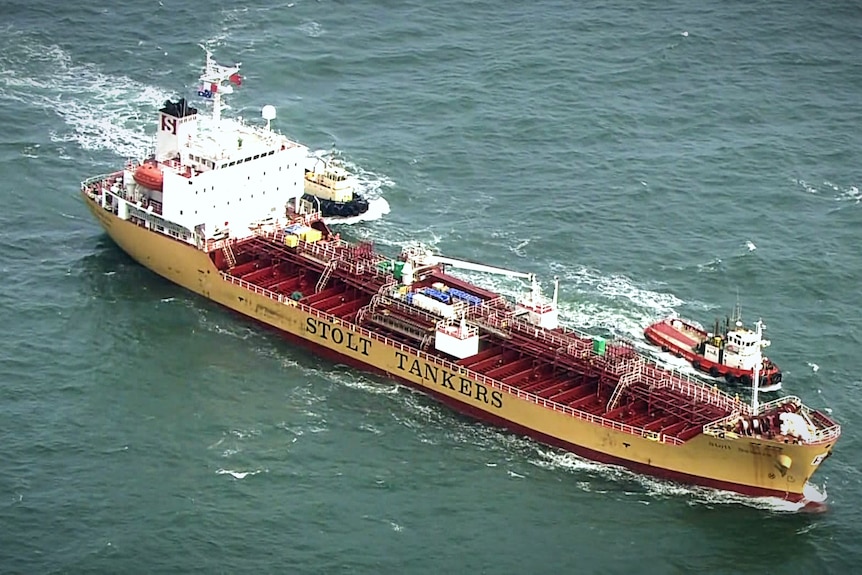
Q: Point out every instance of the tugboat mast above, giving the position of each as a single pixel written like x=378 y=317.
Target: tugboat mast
x=758 y=360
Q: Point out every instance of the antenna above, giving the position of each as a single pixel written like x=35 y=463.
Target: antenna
x=268 y=113
x=213 y=80
x=556 y=289
x=758 y=360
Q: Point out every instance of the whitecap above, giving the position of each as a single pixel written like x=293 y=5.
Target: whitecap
x=237 y=474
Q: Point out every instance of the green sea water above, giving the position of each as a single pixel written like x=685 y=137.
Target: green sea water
x=659 y=159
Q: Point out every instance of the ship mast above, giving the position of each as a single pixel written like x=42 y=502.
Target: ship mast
x=214 y=79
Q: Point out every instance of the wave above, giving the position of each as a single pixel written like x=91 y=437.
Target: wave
x=840 y=193
x=238 y=474
x=371 y=185
x=101 y=111
x=657 y=489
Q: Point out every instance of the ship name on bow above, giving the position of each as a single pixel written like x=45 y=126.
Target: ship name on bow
x=439 y=376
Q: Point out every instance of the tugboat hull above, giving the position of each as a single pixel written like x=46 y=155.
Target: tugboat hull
x=331 y=209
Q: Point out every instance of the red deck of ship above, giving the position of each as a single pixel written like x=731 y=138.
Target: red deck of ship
x=520 y=360
x=670 y=332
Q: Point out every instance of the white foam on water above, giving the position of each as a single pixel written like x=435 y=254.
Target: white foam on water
x=237 y=474
x=245 y=433
x=750 y=245
x=102 y=112
x=370 y=184
x=377 y=208
x=611 y=303
x=841 y=193
x=357 y=380
x=851 y=194
x=311 y=29
x=814 y=367
x=519 y=248
x=710 y=266
x=814 y=496
x=807 y=187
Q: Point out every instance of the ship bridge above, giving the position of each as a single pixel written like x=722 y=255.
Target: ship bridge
x=231 y=142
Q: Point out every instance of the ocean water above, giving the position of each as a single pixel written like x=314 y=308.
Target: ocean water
x=670 y=159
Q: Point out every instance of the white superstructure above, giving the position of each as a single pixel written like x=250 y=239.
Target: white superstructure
x=211 y=177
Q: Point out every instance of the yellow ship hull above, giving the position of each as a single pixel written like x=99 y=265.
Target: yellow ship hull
x=756 y=467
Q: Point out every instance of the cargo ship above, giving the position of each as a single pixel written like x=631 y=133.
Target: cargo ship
x=333 y=190
x=218 y=209
x=729 y=351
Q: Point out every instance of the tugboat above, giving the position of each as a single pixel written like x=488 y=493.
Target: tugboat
x=730 y=351
x=333 y=189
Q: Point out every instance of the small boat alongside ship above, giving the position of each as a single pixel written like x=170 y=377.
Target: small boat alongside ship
x=228 y=220
x=731 y=351
x=333 y=190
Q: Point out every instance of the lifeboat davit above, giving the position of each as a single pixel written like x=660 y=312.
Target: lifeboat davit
x=150 y=176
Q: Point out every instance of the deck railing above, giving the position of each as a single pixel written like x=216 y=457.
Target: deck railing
x=694 y=390
x=821 y=435
x=455 y=368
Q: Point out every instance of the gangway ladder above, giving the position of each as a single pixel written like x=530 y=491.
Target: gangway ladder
x=228 y=255
x=324 y=277
x=631 y=373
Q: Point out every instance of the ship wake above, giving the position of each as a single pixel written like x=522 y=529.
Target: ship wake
x=653 y=489
x=371 y=186
x=102 y=111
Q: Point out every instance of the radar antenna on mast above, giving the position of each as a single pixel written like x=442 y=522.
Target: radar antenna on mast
x=217 y=79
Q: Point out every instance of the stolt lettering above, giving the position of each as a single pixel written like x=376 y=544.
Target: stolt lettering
x=444 y=378
x=169 y=124
x=338 y=336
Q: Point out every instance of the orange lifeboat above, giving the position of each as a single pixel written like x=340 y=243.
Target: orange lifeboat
x=150 y=176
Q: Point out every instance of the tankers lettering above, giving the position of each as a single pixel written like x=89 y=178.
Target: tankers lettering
x=338 y=336
x=453 y=381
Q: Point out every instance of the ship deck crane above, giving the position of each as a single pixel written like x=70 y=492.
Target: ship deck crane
x=483 y=268
x=535 y=289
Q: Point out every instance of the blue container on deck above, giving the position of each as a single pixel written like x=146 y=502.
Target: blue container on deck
x=437 y=294
x=462 y=295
